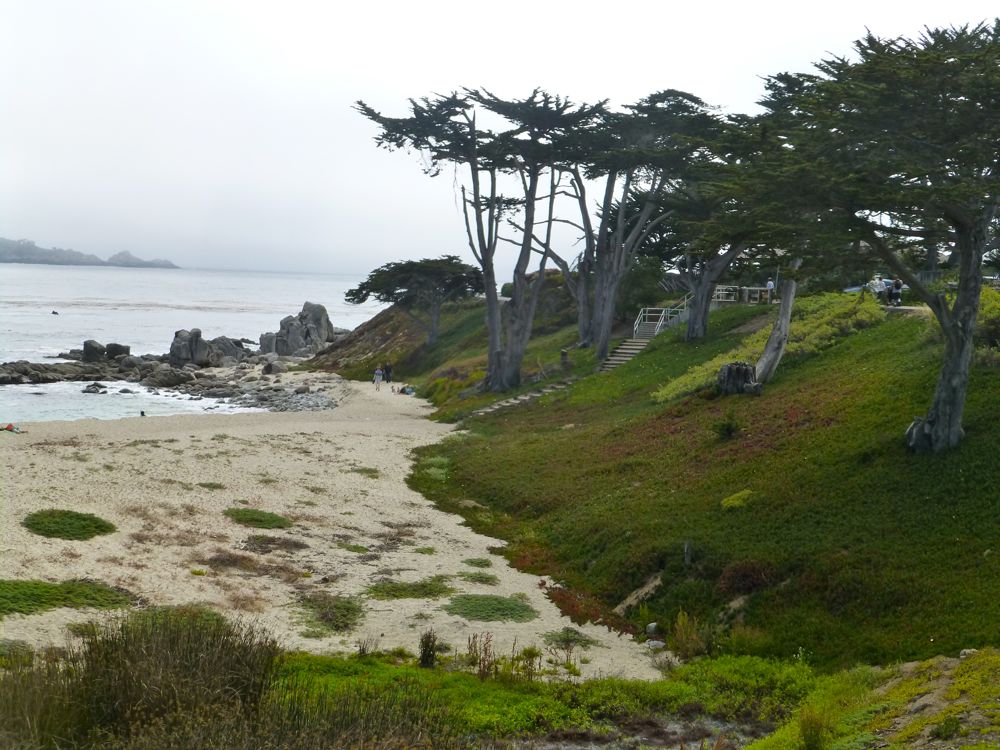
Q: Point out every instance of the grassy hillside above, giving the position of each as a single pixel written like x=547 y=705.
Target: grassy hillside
x=846 y=547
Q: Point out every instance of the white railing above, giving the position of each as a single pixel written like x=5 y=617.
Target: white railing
x=652 y=320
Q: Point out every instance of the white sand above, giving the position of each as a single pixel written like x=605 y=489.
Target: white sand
x=142 y=474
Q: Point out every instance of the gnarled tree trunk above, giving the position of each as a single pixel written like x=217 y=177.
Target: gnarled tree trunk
x=774 y=350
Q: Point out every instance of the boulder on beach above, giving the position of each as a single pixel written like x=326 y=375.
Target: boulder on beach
x=113 y=351
x=93 y=351
x=188 y=347
x=165 y=376
x=94 y=388
x=229 y=347
x=301 y=335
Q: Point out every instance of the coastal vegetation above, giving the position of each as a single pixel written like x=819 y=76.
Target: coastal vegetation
x=258 y=519
x=66 y=524
x=28 y=597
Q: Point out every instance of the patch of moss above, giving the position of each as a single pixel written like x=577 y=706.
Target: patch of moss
x=428 y=588
x=490 y=608
x=66 y=524
x=29 y=597
x=258 y=519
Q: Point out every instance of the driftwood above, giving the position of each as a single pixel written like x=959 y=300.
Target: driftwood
x=738 y=377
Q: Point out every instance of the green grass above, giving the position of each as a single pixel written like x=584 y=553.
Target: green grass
x=490 y=608
x=425 y=550
x=212 y=485
x=66 y=524
x=428 y=588
x=872 y=554
x=29 y=597
x=258 y=519
x=478 y=562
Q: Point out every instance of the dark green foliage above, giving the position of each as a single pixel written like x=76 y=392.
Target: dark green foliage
x=487 y=607
x=728 y=427
x=428 y=649
x=66 y=524
x=28 y=597
x=258 y=519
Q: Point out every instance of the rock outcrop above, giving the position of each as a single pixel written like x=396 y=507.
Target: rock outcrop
x=301 y=335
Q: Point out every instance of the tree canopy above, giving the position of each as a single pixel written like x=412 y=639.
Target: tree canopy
x=420 y=288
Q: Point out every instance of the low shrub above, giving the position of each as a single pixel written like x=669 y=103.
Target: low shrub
x=428 y=588
x=728 y=427
x=478 y=562
x=258 y=519
x=29 y=597
x=737 y=500
x=488 y=608
x=332 y=612
x=66 y=524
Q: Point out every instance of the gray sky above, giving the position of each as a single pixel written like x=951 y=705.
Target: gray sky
x=221 y=134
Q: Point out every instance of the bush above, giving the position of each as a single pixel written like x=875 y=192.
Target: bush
x=332 y=612
x=186 y=678
x=258 y=519
x=728 y=427
x=428 y=649
x=66 y=524
x=689 y=637
x=736 y=500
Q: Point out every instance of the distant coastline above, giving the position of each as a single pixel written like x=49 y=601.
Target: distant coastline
x=26 y=251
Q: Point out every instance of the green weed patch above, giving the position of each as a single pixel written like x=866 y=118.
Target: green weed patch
x=29 y=597
x=428 y=588
x=258 y=519
x=66 y=524
x=490 y=608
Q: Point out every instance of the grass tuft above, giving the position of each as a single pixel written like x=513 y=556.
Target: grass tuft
x=29 y=597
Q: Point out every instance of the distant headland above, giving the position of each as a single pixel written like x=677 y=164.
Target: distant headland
x=26 y=251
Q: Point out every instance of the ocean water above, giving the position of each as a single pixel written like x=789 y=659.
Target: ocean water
x=142 y=307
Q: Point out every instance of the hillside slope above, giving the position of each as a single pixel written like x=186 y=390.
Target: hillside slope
x=846 y=547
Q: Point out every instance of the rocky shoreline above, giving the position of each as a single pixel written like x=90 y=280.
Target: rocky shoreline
x=221 y=368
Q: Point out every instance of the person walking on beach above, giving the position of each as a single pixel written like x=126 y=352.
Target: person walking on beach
x=387 y=371
x=378 y=378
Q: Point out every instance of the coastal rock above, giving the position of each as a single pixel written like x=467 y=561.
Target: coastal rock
x=267 y=343
x=113 y=351
x=301 y=335
x=94 y=388
x=188 y=347
x=166 y=377
x=93 y=351
x=274 y=367
x=228 y=347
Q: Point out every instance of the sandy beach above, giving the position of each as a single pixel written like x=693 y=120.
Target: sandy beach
x=338 y=474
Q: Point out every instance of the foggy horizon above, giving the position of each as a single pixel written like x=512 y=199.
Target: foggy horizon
x=222 y=135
